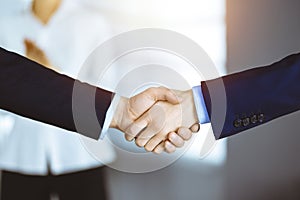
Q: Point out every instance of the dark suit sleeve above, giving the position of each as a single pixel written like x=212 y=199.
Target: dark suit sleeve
x=30 y=90
x=253 y=97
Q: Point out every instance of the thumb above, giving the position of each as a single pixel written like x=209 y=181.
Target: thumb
x=164 y=94
x=142 y=102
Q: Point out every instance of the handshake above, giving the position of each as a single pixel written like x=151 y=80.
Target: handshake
x=159 y=119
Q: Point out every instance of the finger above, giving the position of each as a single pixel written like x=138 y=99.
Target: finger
x=152 y=135
x=154 y=141
x=159 y=148
x=136 y=127
x=169 y=147
x=195 y=128
x=176 y=140
x=184 y=133
x=148 y=134
x=142 y=141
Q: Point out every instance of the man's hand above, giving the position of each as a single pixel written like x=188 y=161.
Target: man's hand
x=163 y=118
x=156 y=115
x=176 y=139
x=129 y=110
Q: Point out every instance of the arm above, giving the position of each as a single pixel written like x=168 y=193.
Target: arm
x=254 y=97
x=30 y=90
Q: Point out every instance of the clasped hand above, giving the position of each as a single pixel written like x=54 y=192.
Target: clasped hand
x=158 y=119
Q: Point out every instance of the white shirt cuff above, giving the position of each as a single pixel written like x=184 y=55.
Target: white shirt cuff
x=109 y=116
x=200 y=105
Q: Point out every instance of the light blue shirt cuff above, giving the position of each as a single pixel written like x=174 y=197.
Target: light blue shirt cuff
x=200 y=105
x=109 y=116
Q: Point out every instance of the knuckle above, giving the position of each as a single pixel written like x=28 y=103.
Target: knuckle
x=195 y=128
x=150 y=90
x=170 y=150
x=131 y=130
x=139 y=142
x=185 y=134
x=180 y=144
x=132 y=112
x=188 y=136
x=148 y=148
x=129 y=138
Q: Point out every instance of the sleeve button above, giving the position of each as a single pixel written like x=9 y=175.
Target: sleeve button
x=237 y=123
x=253 y=119
x=246 y=121
x=261 y=118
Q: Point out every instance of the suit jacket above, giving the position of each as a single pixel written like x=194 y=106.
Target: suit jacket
x=253 y=97
x=30 y=90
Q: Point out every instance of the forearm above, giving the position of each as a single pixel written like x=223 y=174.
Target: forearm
x=33 y=91
x=255 y=96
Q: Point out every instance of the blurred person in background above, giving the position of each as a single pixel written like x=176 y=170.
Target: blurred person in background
x=40 y=161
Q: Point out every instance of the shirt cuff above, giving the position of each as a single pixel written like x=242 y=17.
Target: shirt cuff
x=109 y=116
x=200 y=105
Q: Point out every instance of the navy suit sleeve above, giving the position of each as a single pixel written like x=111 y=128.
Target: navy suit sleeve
x=30 y=90
x=253 y=97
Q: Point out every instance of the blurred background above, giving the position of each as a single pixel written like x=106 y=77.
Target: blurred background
x=262 y=163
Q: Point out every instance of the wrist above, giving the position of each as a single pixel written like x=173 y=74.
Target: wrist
x=189 y=109
x=118 y=113
x=193 y=106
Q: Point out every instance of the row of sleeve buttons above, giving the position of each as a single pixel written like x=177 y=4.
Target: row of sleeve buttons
x=253 y=119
